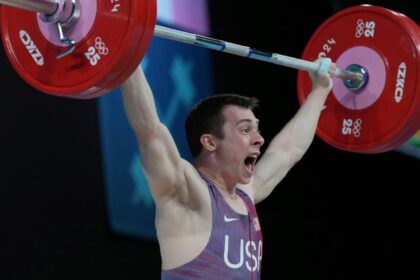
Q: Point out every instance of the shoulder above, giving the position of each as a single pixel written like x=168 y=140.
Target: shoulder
x=247 y=190
x=191 y=191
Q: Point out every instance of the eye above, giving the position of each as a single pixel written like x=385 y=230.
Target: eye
x=245 y=130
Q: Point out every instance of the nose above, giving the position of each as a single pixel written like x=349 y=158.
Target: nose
x=258 y=140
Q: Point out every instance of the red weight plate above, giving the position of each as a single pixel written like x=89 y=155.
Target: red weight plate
x=111 y=39
x=386 y=112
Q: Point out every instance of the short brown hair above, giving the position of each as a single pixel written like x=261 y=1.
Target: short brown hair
x=206 y=117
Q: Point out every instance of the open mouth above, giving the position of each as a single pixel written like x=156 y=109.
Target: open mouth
x=250 y=163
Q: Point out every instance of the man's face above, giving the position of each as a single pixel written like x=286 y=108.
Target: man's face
x=240 y=147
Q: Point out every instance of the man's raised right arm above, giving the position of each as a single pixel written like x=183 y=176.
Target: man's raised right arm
x=160 y=158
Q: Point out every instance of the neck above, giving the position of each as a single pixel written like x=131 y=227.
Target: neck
x=218 y=181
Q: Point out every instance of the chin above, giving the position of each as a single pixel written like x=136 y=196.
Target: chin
x=245 y=180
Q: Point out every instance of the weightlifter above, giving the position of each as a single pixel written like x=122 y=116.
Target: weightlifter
x=206 y=220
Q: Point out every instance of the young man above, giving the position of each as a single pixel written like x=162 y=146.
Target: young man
x=206 y=221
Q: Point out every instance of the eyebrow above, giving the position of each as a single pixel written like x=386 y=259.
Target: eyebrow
x=247 y=120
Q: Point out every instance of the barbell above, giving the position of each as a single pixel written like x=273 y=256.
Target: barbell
x=85 y=48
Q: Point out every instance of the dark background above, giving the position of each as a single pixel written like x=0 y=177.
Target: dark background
x=337 y=215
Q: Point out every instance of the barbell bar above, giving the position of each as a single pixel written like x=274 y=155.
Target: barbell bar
x=245 y=51
x=100 y=43
x=56 y=9
x=47 y=7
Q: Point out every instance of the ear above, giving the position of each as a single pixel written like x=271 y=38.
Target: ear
x=208 y=142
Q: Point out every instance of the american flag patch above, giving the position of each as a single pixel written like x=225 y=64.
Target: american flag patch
x=256 y=224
